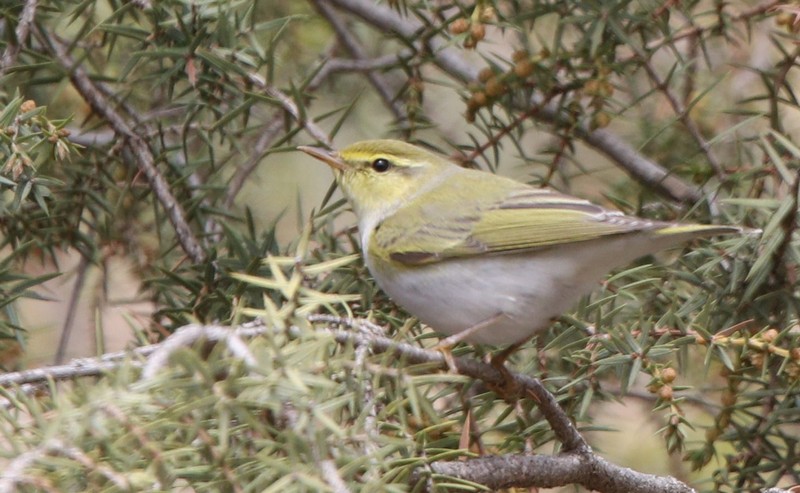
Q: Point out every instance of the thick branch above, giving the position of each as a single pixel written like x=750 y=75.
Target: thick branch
x=545 y=471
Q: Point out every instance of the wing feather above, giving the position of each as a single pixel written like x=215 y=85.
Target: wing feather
x=510 y=217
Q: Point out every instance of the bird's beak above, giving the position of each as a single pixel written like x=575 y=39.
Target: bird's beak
x=331 y=158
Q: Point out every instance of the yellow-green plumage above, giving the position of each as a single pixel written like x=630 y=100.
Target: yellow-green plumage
x=458 y=247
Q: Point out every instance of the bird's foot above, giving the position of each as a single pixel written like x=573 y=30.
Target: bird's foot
x=447 y=344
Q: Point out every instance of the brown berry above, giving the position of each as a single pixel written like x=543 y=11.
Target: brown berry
x=477 y=32
x=480 y=98
x=495 y=88
x=668 y=375
x=519 y=55
x=523 y=68
x=785 y=19
x=601 y=119
x=665 y=392
x=592 y=87
x=606 y=89
x=485 y=74
x=27 y=106
x=459 y=26
x=488 y=14
x=769 y=335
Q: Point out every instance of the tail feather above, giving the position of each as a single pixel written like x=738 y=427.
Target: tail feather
x=699 y=230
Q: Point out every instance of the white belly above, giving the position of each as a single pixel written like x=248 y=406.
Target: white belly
x=523 y=291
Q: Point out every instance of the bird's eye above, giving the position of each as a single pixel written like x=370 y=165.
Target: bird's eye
x=380 y=165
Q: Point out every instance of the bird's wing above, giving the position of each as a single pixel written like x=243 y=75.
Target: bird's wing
x=520 y=219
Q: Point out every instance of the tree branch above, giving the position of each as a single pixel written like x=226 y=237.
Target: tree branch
x=141 y=152
x=357 y=51
x=545 y=471
x=451 y=61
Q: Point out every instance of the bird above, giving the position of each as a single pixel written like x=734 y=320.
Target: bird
x=479 y=257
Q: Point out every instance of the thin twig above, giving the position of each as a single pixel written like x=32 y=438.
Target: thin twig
x=683 y=115
x=715 y=27
x=140 y=150
x=291 y=107
x=26 y=19
x=332 y=476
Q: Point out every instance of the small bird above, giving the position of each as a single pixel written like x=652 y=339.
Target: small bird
x=480 y=257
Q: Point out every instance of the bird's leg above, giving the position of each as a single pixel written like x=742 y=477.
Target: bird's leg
x=446 y=345
x=499 y=359
x=509 y=388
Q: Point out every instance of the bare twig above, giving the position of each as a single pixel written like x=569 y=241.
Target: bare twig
x=332 y=476
x=291 y=107
x=72 y=308
x=452 y=62
x=268 y=134
x=275 y=125
x=335 y=65
x=189 y=334
x=141 y=152
x=357 y=51
x=20 y=36
x=683 y=115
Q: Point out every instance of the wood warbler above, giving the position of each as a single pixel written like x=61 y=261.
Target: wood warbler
x=477 y=256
